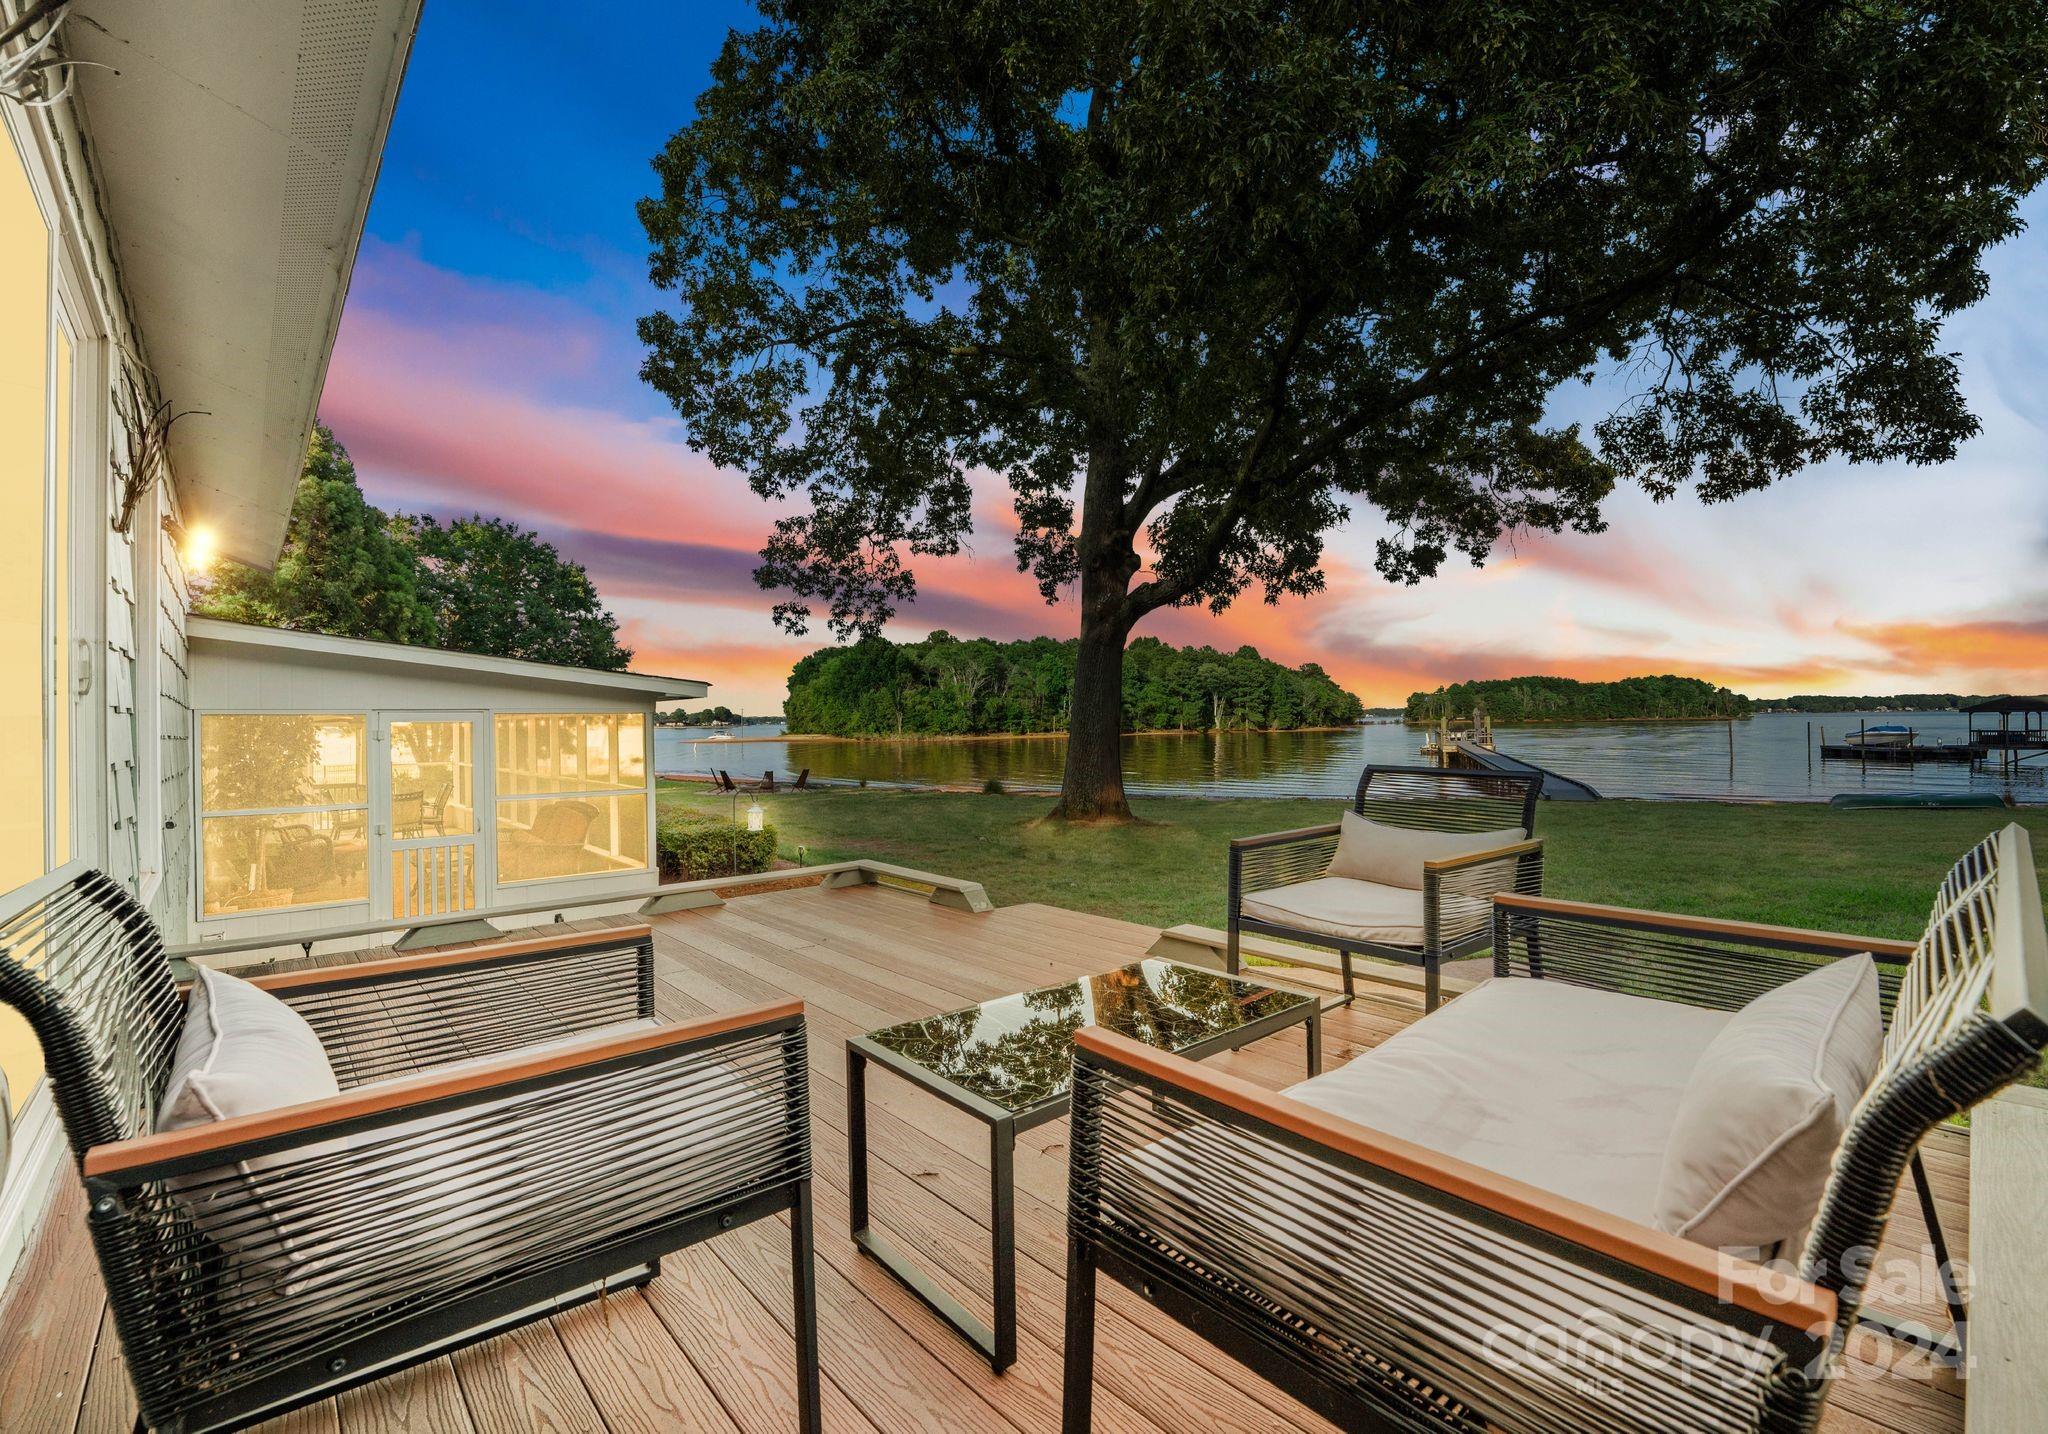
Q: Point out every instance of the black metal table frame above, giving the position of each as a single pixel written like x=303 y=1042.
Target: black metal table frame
x=999 y=1345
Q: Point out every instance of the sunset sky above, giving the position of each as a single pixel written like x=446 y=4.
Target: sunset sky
x=487 y=362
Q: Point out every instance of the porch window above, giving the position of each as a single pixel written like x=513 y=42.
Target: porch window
x=284 y=811
x=571 y=794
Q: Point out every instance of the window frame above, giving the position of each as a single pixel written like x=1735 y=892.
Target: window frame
x=200 y=812
x=646 y=790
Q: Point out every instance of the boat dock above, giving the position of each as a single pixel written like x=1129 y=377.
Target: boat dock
x=1556 y=788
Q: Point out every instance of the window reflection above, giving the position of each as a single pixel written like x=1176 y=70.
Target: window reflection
x=284 y=802
x=572 y=794
x=433 y=779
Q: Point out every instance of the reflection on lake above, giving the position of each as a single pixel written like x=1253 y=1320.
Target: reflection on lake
x=1774 y=756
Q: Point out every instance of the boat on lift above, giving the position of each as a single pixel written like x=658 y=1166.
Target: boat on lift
x=1887 y=735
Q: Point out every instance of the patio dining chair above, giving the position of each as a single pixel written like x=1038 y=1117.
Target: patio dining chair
x=1407 y=875
x=505 y=1132
x=1369 y=1268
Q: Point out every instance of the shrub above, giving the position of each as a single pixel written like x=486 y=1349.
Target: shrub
x=695 y=847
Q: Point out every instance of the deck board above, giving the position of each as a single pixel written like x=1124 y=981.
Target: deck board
x=706 y=1346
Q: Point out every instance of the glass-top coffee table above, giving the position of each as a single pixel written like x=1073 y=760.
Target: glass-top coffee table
x=1009 y=1063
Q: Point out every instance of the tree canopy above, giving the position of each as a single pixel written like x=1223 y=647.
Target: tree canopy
x=1561 y=699
x=341 y=570
x=495 y=587
x=1199 y=280
x=477 y=584
x=956 y=687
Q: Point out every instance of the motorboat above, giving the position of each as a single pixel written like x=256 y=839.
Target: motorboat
x=1887 y=735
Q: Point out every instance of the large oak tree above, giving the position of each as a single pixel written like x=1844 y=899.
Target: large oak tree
x=1199 y=277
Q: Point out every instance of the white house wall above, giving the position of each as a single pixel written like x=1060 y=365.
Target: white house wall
x=171 y=903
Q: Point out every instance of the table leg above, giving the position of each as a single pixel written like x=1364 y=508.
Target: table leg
x=857 y=1139
x=1002 y=1180
x=997 y=1345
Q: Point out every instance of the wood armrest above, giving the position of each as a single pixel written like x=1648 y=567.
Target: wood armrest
x=435 y=963
x=1789 y=938
x=1279 y=838
x=1771 y=1294
x=1480 y=858
x=398 y=1098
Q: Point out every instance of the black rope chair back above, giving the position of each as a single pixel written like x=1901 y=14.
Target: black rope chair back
x=85 y=964
x=1448 y=799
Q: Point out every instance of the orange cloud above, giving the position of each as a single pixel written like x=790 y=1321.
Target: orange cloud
x=2012 y=652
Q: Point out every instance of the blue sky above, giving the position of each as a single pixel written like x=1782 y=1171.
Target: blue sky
x=487 y=361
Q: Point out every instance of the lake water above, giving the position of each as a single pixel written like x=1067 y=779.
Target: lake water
x=1775 y=756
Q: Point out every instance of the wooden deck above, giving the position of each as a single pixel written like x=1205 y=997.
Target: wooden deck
x=706 y=1346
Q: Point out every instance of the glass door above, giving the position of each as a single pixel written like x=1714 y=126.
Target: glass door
x=424 y=856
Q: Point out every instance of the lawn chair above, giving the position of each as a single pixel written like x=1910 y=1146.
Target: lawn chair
x=802 y=782
x=1435 y=910
x=725 y=781
x=476 y=1172
x=1385 y=1282
x=768 y=780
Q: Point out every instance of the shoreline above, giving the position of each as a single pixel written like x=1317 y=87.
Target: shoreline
x=909 y=738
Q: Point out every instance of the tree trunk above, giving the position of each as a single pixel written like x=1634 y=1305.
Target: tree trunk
x=1093 y=786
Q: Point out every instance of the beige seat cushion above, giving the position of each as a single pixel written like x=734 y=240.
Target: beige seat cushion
x=1360 y=911
x=241 y=1052
x=1755 y=1136
x=1571 y=1089
x=1339 y=907
x=1393 y=856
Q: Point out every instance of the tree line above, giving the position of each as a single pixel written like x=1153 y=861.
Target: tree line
x=474 y=584
x=948 y=686
x=1897 y=702
x=1560 y=699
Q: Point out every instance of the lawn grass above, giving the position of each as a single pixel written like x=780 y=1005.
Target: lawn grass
x=1795 y=864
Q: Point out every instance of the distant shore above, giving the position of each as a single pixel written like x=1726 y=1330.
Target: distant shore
x=1425 y=724
x=912 y=737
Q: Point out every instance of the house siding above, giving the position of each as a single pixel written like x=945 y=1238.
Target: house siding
x=172 y=905
x=121 y=857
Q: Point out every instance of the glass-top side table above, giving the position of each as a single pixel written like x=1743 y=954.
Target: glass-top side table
x=1009 y=1063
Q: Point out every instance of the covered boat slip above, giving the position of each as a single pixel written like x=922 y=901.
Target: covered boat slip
x=340 y=781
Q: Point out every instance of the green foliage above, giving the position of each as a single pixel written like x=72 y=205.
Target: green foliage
x=497 y=588
x=478 y=585
x=696 y=845
x=341 y=572
x=702 y=717
x=1234 y=270
x=951 y=686
x=1560 y=699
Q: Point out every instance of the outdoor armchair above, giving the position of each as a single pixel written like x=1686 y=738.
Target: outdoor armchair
x=1385 y=1282
x=513 y=1134
x=1282 y=883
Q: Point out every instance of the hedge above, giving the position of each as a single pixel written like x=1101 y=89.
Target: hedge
x=694 y=847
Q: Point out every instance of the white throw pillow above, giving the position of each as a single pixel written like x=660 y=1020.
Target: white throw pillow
x=242 y=1051
x=1765 y=1108
x=1393 y=856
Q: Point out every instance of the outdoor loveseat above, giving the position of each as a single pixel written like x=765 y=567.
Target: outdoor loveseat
x=494 y=1134
x=1542 y=1207
x=1407 y=874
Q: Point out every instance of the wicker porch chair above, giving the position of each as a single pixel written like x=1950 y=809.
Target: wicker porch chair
x=1387 y=1285
x=1456 y=916
x=476 y=1172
